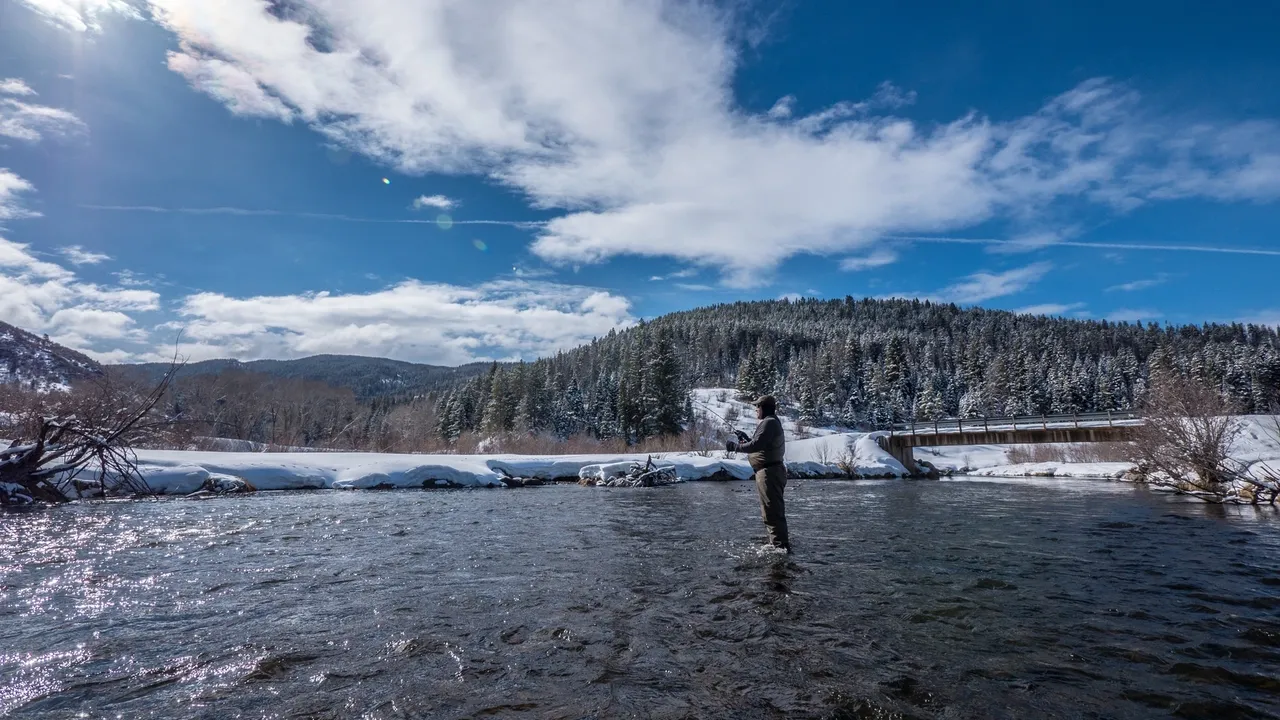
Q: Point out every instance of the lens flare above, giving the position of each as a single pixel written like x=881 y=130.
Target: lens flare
x=386 y=181
x=443 y=221
x=480 y=245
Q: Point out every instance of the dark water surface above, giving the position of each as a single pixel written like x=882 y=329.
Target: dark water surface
x=962 y=599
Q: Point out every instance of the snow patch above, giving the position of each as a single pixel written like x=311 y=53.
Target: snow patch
x=1104 y=470
x=716 y=404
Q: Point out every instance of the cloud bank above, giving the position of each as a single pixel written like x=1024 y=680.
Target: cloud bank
x=427 y=322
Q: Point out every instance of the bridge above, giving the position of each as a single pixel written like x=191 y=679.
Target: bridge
x=1114 y=426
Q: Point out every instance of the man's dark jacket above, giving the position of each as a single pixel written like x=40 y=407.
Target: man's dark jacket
x=768 y=446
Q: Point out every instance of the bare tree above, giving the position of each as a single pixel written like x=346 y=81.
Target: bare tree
x=94 y=428
x=1186 y=440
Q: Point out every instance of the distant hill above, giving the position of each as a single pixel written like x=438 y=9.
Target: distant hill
x=34 y=362
x=367 y=377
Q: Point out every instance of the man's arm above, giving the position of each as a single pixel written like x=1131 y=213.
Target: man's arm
x=765 y=433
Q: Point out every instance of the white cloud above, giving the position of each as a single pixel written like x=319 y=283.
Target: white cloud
x=876 y=258
x=15 y=86
x=782 y=109
x=79 y=256
x=426 y=322
x=29 y=122
x=1269 y=317
x=128 y=278
x=234 y=86
x=677 y=275
x=440 y=202
x=11 y=185
x=1134 y=285
x=1133 y=316
x=79 y=15
x=1050 y=309
x=45 y=297
x=982 y=286
x=524 y=271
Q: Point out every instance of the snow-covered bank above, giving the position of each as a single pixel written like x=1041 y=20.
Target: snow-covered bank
x=1102 y=470
x=842 y=455
x=182 y=472
x=995 y=461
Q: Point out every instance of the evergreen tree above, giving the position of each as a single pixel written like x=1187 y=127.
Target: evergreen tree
x=664 y=395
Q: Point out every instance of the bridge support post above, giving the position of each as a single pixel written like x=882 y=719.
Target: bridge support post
x=897 y=446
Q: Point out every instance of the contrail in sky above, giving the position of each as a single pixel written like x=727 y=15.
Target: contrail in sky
x=1083 y=244
x=247 y=212
x=535 y=224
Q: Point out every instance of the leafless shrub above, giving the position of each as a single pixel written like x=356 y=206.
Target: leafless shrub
x=1022 y=454
x=1072 y=453
x=847 y=459
x=823 y=453
x=1101 y=452
x=704 y=434
x=1186 y=439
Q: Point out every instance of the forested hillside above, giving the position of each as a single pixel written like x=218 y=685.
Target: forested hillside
x=861 y=363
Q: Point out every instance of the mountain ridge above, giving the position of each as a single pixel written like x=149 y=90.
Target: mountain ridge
x=368 y=377
x=38 y=363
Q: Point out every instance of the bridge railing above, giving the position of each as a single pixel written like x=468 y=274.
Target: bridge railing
x=1025 y=422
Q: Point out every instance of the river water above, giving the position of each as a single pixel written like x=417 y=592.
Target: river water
x=910 y=599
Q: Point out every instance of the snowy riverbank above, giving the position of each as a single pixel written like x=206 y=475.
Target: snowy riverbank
x=182 y=472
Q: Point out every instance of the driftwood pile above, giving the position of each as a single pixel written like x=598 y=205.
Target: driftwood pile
x=629 y=475
x=92 y=433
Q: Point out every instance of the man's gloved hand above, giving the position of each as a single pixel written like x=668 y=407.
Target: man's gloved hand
x=731 y=446
x=742 y=437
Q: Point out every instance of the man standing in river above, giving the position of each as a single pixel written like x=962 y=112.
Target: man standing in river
x=765 y=453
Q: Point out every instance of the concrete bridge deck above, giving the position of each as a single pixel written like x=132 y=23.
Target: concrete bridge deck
x=1077 y=428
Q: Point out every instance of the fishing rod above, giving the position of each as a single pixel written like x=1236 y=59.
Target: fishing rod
x=737 y=433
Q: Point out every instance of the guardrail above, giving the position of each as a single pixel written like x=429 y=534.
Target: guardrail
x=1027 y=422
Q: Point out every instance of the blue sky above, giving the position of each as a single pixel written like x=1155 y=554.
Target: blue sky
x=269 y=178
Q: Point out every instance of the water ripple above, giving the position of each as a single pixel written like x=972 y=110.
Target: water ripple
x=904 y=600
